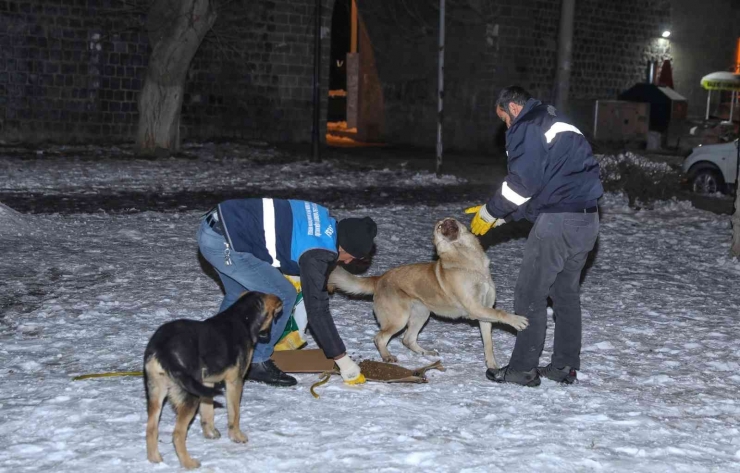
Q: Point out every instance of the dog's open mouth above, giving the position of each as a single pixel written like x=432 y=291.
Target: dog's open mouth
x=449 y=229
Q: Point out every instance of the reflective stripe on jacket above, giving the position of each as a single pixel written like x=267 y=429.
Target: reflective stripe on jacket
x=278 y=231
x=551 y=167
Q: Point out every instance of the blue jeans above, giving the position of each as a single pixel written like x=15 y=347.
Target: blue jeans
x=248 y=273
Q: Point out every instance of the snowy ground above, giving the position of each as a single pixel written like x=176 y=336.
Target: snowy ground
x=212 y=167
x=82 y=293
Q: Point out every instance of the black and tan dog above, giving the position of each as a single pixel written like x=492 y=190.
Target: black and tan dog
x=185 y=358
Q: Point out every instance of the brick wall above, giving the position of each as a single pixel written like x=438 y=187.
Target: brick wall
x=612 y=44
x=487 y=47
x=494 y=44
x=63 y=74
x=264 y=90
x=72 y=69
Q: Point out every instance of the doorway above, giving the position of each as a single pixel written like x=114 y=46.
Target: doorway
x=355 y=105
x=343 y=45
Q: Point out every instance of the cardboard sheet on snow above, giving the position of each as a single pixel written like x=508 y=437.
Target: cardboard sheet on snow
x=314 y=361
x=302 y=361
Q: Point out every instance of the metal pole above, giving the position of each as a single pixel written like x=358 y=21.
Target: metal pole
x=709 y=100
x=565 y=53
x=440 y=85
x=316 y=82
x=732 y=104
x=353 y=27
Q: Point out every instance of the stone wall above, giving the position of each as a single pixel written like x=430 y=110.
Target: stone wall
x=261 y=87
x=71 y=69
x=612 y=44
x=490 y=45
x=64 y=73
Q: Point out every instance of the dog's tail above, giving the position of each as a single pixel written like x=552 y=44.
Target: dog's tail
x=183 y=378
x=193 y=386
x=351 y=284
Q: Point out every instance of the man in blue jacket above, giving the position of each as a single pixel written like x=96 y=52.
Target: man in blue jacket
x=553 y=181
x=252 y=243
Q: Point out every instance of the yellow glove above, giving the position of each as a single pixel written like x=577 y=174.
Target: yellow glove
x=350 y=371
x=483 y=221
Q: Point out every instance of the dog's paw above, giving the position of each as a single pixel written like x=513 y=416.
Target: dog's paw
x=155 y=457
x=237 y=436
x=190 y=464
x=430 y=353
x=211 y=432
x=519 y=322
x=390 y=359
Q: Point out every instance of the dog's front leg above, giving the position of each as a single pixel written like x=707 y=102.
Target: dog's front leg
x=485 y=331
x=487 y=314
x=207 y=417
x=472 y=300
x=233 y=399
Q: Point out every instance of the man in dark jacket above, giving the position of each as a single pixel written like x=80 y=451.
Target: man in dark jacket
x=253 y=243
x=553 y=181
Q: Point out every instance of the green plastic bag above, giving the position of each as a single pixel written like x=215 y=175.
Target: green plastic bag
x=292 y=325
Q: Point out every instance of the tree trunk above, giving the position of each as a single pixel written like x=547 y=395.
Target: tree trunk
x=735 y=250
x=176 y=29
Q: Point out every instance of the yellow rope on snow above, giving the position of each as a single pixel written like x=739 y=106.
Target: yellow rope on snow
x=325 y=376
x=108 y=375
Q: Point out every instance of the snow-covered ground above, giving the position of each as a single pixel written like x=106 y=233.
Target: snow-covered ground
x=92 y=169
x=82 y=293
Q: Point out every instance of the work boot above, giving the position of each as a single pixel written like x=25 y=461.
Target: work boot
x=507 y=375
x=565 y=375
x=266 y=372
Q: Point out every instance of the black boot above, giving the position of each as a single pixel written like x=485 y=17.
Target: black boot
x=564 y=375
x=266 y=372
x=507 y=375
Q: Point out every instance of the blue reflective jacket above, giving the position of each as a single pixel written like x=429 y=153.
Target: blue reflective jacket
x=278 y=231
x=550 y=167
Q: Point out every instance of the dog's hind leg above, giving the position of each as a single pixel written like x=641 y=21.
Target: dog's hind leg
x=392 y=316
x=485 y=331
x=186 y=406
x=206 y=417
x=156 y=393
x=419 y=316
x=234 y=386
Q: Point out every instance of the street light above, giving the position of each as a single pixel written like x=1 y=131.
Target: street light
x=666 y=34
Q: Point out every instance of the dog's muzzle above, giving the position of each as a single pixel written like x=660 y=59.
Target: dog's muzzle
x=449 y=229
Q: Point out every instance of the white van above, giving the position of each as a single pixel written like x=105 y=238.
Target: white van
x=712 y=168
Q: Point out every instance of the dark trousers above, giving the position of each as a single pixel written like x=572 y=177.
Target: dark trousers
x=554 y=256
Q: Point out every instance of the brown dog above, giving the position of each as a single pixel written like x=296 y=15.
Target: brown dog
x=457 y=285
x=185 y=358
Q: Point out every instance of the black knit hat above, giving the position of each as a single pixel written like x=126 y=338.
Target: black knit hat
x=355 y=236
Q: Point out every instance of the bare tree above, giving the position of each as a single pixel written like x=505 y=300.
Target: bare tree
x=176 y=28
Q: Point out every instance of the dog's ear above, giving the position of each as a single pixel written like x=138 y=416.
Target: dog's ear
x=262 y=322
x=273 y=305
